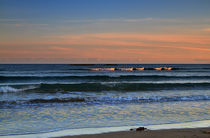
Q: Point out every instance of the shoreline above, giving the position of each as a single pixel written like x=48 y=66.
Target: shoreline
x=165 y=133
x=199 y=126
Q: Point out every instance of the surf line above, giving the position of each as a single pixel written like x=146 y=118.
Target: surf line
x=130 y=69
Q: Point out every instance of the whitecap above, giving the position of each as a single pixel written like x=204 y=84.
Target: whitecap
x=5 y=89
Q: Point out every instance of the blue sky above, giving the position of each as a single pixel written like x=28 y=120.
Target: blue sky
x=93 y=9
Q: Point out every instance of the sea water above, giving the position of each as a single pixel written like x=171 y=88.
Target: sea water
x=46 y=98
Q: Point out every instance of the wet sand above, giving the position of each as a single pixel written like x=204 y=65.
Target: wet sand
x=171 y=133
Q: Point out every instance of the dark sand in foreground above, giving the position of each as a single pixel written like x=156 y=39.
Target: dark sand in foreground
x=171 y=133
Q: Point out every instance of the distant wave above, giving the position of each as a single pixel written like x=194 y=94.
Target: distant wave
x=96 y=100
x=102 y=77
x=162 y=68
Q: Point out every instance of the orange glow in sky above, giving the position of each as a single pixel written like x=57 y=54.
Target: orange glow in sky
x=118 y=39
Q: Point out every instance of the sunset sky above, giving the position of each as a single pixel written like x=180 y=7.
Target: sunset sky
x=105 y=31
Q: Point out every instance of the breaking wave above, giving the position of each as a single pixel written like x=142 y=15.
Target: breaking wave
x=6 y=89
x=115 y=100
x=106 y=86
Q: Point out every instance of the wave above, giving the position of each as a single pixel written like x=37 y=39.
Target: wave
x=97 y=87
x=105 y=86
x=166 y=68
x=94 y=100
x=155 y=98
x=101 y=77
x=7 y=89
x=54 y=100
x=131 y=69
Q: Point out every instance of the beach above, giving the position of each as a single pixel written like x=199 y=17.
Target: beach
x=178 y=130
x=171 y=133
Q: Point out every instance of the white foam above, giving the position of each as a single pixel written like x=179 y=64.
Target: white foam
x=83 y=131
x=5 y=89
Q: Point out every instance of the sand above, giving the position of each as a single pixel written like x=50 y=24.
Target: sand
x=171 y=133
x=196 y=129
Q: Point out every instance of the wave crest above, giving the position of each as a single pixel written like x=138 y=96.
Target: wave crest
x=6 y=89
x=109 y=100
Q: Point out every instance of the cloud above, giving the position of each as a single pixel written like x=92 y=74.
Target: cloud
x=207 y=29
x=130 y=39
x=202 y=60
x=110 y=47
x=136 y=20
x=108 y=20
x=119 y=40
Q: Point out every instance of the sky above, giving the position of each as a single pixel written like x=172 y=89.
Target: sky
x=105 y=31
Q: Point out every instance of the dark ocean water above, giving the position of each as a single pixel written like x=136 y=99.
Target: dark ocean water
x=43 y=98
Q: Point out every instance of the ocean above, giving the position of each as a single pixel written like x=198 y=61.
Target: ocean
x=38 y=98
